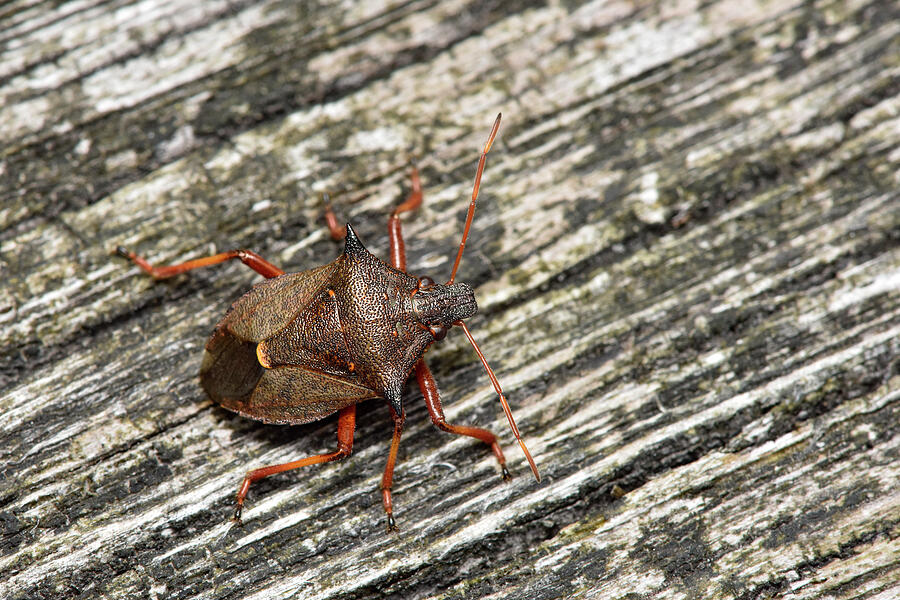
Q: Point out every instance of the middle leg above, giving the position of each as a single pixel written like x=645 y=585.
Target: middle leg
x=249 y=258
x=387 y=479
x=398 y=261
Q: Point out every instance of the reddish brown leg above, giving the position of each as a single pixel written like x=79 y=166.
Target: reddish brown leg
x=346 y=426
x=251 y=259
x=412 y=202
x=398 y=260
x=395 y=228
x=388 y=478
x=423 y=374
x=337 y=231
x=433 y=402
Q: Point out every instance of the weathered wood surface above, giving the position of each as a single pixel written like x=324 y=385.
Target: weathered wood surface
x=686 y=258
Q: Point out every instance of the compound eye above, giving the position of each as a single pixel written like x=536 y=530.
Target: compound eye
x=438 y=332
x=425 y=282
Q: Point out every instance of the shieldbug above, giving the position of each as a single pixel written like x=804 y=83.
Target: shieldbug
x=300 y=346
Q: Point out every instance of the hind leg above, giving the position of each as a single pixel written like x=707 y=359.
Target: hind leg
x=346 y=427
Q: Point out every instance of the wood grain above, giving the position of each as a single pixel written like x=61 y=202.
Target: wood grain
x=686 y=256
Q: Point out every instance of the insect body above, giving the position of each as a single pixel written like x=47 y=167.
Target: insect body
x=298 y=347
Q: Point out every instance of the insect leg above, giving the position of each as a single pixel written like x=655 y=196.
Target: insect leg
x=334 y=227
x=412 y=202
x=395 y=228
x=346 y=426
x=433 y=401
x=388 y=477
x=251 y=259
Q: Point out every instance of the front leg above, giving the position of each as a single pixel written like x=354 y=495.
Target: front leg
x=433 y=401
x=395 y=227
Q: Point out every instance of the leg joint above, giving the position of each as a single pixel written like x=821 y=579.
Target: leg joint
x=343 y=451
x=440 y=423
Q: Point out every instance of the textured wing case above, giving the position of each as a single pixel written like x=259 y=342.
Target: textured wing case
x=301 y=346
x=300 y=395
x=266 y=358
x=273 y=303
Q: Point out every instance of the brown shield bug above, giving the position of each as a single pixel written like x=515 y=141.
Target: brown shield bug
x=300 y=346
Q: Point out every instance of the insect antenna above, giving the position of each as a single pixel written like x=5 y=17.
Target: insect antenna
x=462 y=246
x=503 y=402
x=471 y=213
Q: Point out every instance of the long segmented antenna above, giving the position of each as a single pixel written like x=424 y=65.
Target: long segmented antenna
x=503 y=402
x=471 y=213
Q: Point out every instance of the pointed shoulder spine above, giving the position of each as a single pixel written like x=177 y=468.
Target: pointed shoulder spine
x=352 y=245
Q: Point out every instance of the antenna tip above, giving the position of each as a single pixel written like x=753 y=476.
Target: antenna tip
x=531 y=464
